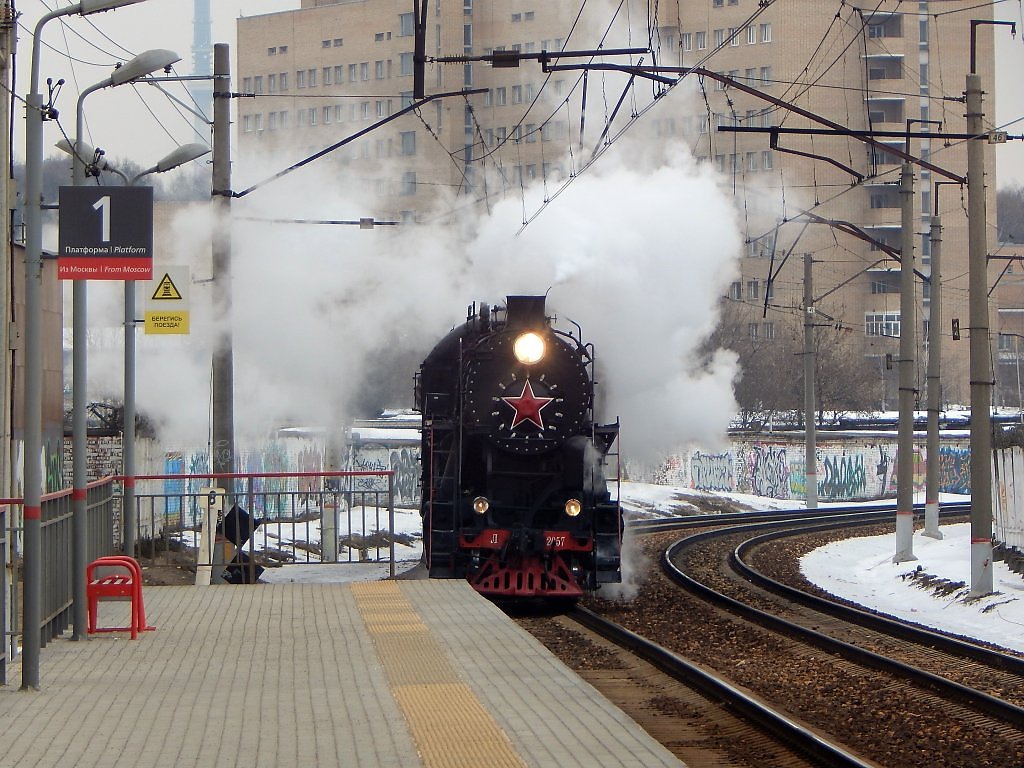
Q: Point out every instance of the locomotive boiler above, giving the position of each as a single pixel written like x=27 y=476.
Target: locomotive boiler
x=519 y=485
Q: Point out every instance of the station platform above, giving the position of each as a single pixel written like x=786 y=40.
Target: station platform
x=383 y=673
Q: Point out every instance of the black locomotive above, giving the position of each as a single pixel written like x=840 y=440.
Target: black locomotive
x=515 y=496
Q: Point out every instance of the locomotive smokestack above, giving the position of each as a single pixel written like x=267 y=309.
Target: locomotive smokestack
x=525 y=312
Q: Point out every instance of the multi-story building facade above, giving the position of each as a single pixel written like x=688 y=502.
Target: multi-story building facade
x=329 y=69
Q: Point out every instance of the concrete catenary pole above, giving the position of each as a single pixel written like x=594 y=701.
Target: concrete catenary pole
x=980 y=353
x=223 y=356
x=908 y=341
x=810 y=358
x=7 y=46
x=931 y=495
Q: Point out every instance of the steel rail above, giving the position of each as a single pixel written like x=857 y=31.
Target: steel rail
x=956 y=692
x=891 y=626
x=787 y=730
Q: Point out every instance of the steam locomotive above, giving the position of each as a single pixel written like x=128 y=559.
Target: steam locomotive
x=515 y=496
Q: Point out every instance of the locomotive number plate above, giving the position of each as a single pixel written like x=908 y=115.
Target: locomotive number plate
x=563 y=540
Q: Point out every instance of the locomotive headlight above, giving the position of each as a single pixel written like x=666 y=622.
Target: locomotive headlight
x=481 y=505
x=573 y=507
x=528 y=348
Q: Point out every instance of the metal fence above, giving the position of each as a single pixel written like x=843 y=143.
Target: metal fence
x=56 y=553
x=276 y=519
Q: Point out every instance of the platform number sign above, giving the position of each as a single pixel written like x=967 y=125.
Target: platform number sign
x=106 y=233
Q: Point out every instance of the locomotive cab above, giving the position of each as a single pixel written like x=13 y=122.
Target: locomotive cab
x=514 y=493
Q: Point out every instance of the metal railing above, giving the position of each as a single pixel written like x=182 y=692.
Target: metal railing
x=273 y=519
x=56 y=544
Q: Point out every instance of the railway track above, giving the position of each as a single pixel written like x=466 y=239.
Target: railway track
x=694 y=713
x=884 y=695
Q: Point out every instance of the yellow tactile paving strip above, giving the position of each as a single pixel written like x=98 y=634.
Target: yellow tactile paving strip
x=450 y=726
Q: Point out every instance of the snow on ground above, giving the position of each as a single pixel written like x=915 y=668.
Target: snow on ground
x=861 y=570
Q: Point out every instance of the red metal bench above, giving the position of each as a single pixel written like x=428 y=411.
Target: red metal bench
x=124 y=582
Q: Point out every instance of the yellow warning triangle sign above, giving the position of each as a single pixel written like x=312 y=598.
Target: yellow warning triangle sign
x=166 y=290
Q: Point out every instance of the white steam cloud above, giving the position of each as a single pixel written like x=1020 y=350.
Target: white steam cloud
x=638 y=251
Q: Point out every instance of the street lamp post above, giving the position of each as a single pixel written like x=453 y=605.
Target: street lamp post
x=140 y=66
x=33 y=405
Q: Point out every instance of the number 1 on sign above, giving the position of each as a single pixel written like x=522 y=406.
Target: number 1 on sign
x=103 y=206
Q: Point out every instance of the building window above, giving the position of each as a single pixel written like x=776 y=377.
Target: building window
x=300 y=117
x=499 y=96
x=719 y=37
x=382 y=108
x=364 y=110
x=378 y=70
x=752 y=329
x=408 y=142
x=405 y=64
x=300 y=79
x=327 y=76
x=467 y=36
x=257 y=84
x=338 y=42
x=325 y=43
x=766 y=33
x=406 y=24
x=686 y=41
x=247 y=85
x=768 y=328
x=753 y=289
x=409 y=183
x=353 y=72
x=312 y=115
x=766 y=75
x=734 y=36
x=283 y=81
x=882 y=324
x=701 y=40
x=312 y=78
x=247 y=123
x=272 y=51
x=752 y=164
x=327 y=115
x=282 y=49
x=751 y=35
x=736 y=290
x=517 y=94
x=364 y=71
x=517 y=17
x=339 y=75
x=766 y=159
x=272 y=83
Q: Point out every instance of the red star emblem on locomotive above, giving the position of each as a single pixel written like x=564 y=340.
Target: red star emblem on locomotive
x=528 y=406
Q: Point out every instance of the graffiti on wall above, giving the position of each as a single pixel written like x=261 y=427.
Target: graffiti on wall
x=405 y=463
x=846 y=469
x=843 y=477
x=769 y=471
x=954 y=469
x=712 y=471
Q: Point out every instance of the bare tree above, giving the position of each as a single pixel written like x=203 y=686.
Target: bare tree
x=770 y=386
